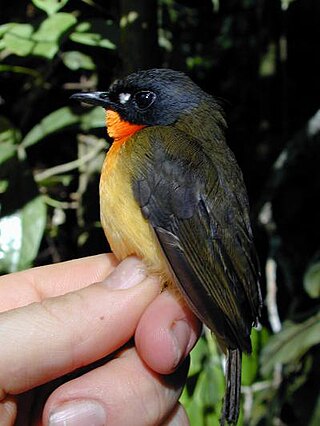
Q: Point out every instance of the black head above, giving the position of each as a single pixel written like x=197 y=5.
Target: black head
x=150 y=97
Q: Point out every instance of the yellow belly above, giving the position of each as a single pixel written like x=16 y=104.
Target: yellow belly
x=127 y=231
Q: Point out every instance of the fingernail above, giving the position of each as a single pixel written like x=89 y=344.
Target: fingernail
x=180 y=331
x=128 y=273
x=78 y=413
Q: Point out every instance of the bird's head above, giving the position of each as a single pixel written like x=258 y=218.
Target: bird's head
x=146 y=98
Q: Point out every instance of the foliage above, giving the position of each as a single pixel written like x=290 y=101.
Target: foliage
x=291 y=344
x=24 y=220
x=262 y=58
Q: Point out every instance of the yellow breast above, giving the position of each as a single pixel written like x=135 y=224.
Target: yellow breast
x=127 y=231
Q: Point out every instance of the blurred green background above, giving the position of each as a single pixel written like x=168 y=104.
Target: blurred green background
x=261 y=59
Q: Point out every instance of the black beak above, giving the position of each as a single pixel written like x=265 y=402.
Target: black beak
x=93 y=98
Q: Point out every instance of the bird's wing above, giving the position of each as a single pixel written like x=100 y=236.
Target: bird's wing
x=199 y=214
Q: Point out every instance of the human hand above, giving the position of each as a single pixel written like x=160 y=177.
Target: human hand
x=55 y=321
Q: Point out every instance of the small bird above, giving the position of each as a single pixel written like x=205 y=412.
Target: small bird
x=172 y=193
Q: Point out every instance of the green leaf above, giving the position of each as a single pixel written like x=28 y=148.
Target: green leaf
x=286 y=3
x=268 y=62
x=205 y=401
x=6 y=27
x=82 y=27
x=54 y=26
x=20 y=235
x=20 y=70
x=291 y=343
x=50 y=6
x=316 y=414
x=9 y=136
x=92 y=39
x=17 y=39
x=250 y=363
x=7 y=150
x=48 y=35
x=75 y=60
x=4 y=184
x=107 y=44
x=52 y=123
x=97 y=32
x=22 y=216
x=197 y=357
x=8 y=133
x=210 y=386
x=93 y=119
x=311 y=281
x=194 y=410
x=206 y=383
x=62 y=118
x=23 y=40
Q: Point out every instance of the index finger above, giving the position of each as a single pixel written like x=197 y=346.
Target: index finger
x=43 y=341
x=33 y=285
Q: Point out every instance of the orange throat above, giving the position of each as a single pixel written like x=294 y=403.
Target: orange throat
x=119 y=129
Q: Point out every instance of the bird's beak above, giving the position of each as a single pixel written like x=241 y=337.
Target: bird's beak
x=94 y=98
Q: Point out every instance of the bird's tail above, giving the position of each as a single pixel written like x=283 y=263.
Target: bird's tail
x=231 y=402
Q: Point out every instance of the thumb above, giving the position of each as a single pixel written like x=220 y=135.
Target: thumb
x=43 y=341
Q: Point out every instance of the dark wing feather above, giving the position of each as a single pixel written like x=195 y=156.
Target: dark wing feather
x=203 y=229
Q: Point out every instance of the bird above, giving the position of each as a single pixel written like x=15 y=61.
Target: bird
x=172 y=193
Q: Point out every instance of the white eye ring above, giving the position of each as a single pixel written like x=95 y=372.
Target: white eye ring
x=124 y=97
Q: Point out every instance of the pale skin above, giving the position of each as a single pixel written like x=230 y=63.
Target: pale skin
x=60 y=318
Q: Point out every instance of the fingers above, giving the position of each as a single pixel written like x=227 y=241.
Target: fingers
x=36 y=284
x=45 y=340
x=166 y=333
x=178 y=417
x=122 y=392
x=8 y=411
x=42 y=341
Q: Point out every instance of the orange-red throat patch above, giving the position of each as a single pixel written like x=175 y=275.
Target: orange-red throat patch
x=119 y=129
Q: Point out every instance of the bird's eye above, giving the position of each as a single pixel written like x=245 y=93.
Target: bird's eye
x=144 y=99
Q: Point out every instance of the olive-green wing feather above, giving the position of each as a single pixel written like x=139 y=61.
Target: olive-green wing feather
x=201 y=222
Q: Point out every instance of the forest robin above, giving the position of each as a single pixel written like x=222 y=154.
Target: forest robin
x=171 y=193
